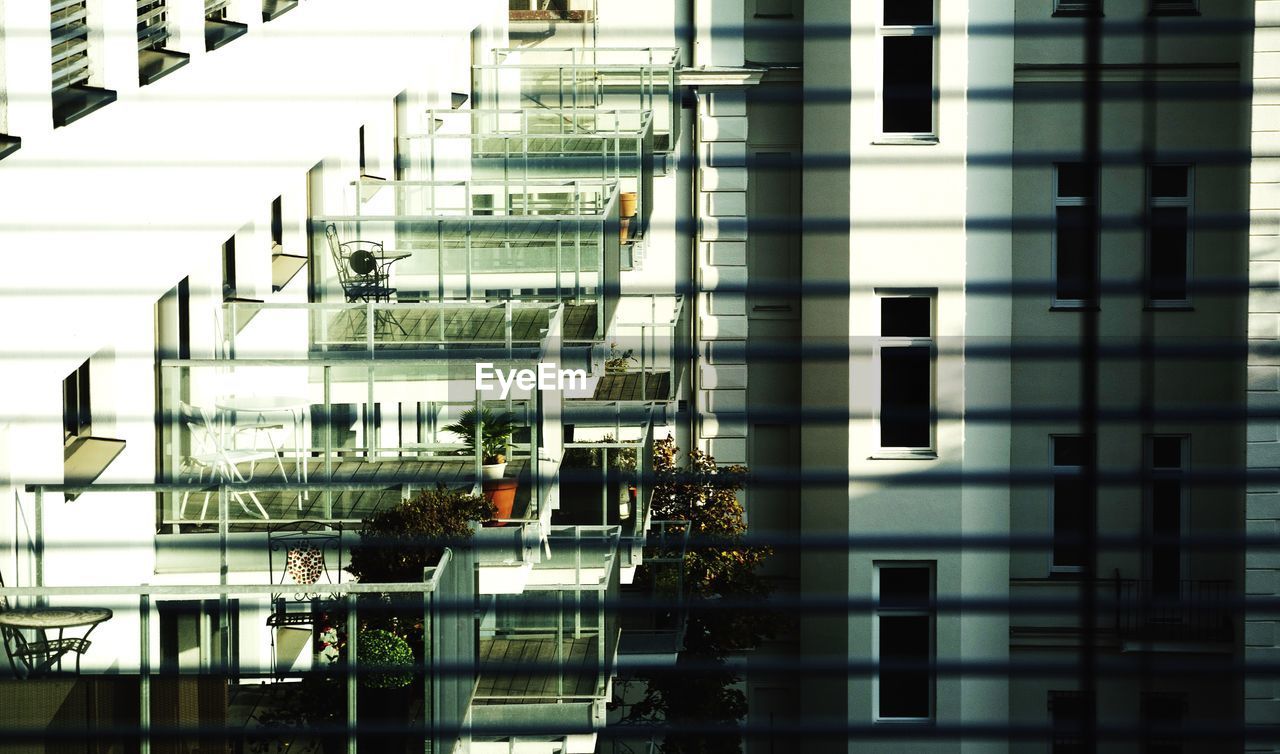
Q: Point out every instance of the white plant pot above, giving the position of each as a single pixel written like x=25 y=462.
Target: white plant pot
x=493 y=470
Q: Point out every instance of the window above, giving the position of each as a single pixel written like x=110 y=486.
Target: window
x=1168 y=501
x=1077 y=7
x=1075 y=235
x=1162 y=716
x=906 y=415
x=904 y=641
x=1169 y=191
x=909 y=36
x=73 y=98
x=1069 y=715
x=775 y=9
x=1174 y=8
x=229 y=269
x=154 y=60
x=76 y=411
x=1069 y=502
x=194 y=639
x=218 y=29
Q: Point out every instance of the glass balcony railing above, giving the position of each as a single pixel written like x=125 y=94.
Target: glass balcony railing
x=335 y=439
x=508 y=330
x=547 y=656
x=580 y=80
x=520 y=145
x=556 y=239
x=645 y=354
x=192 y=666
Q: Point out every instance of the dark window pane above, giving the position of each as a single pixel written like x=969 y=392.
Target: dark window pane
x=1069 y=504
x=908 y=12
x=1169 y=180
x=1169 y=253
x=908 y=84
x=1166 y=526
x=905 y=397
x=1166 y=452
x=905 y=587
x=905 y=318
x=1076 y=271
x=904 y=657
x=1071 y=450
x=1076 y=179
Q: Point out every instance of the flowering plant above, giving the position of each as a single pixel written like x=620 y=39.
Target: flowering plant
x=330 y=646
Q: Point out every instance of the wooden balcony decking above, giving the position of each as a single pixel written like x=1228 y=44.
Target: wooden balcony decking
x=626 y=386
x=576 y=673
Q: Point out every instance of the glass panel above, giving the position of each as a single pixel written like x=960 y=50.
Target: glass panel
x=1069 y=501
x=908 y=12
x=1169 y=180
x=905 y=397
x=1076 y=180
x=908 y=84
x=904 y=639
x=905 y=587
x=1076 y=271
x=1169 y=253
x=905 y=317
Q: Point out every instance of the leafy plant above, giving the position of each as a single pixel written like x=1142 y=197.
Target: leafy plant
x=495 y=433
x=397 y=543
x=385 y=660
x=718 y=565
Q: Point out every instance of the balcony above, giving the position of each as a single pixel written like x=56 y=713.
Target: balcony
x=585 y=79
x=333 y=439
x=553 y=239
x=647 y=352
x=143 y=687
x=547 y=657
x=523 y=145
x=1186 y=612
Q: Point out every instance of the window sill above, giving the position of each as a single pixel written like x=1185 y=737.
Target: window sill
x=1074 y=308
x=915 y=141
x=85 y=458
x=154 y=65
x=9 y=145
x=284 y=268
x=1172 y=306
x=273 y=9
x=75 y=102
x=903 y=455
x=1078 y=13
x=1065 y=573
x=218 y=33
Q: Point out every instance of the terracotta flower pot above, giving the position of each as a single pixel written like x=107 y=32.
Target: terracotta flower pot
x=502 y=493
x=627 y=203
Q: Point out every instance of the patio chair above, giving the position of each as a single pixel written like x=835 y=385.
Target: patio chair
x=363 y=270
x=298 y=557
x=213 y=450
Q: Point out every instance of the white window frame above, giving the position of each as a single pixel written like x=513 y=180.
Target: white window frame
x=1184 y=502
x=882 y=32
x=931 y=613
x=1074 y=201
x=1057 y=471
x=906 y=452
x=1187 y=202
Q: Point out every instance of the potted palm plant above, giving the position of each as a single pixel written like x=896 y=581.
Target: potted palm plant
x=495 y=437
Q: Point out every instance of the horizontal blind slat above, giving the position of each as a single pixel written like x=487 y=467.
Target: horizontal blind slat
x=69 y=17
x=213 y=6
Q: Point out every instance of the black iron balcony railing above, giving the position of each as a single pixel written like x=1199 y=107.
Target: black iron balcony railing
x=1176 y=610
